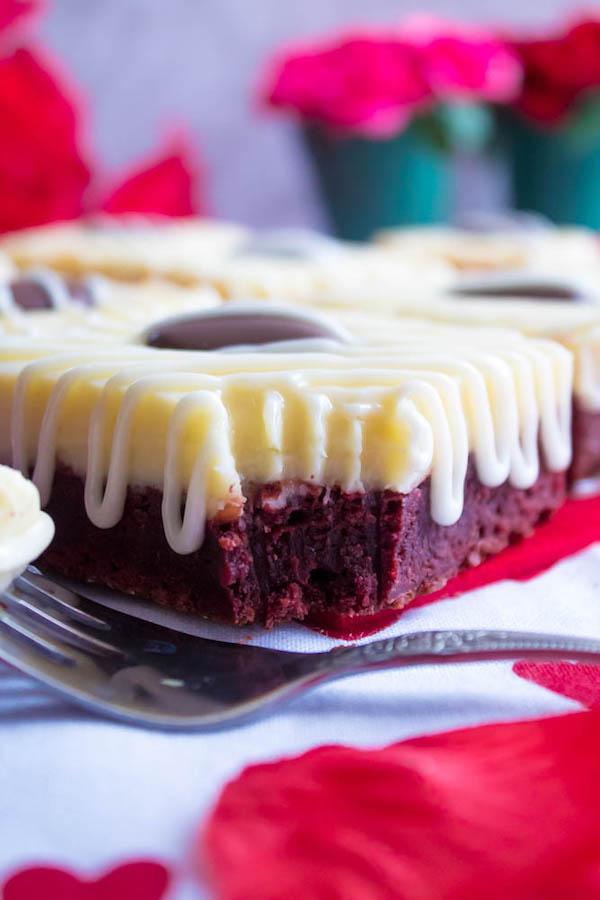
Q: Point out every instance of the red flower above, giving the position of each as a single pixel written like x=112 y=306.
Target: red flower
x=463 y=61
x=17 y=11
x=486 y=813
x=582 y=67
x=43 y=176
x=368 y=84
x=558 y=71
x=461 y=68
x=167 y=184
x=373 y=84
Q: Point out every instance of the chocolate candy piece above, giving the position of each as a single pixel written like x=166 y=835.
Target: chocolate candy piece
x=213 y=331
x=29 y=294
x=81 y=292
x=32 y=293
x=524 y=291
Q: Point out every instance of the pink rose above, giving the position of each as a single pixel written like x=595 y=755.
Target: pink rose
x=375 y=83
x=369 y=84
x=464 y=61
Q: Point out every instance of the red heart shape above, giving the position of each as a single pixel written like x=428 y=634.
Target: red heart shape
x=140 y=880
x=487 y=813
x=168 y=183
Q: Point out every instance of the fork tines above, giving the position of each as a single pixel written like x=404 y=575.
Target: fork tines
x=51 y=617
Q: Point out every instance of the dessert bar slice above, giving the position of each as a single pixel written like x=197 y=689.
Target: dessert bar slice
x=273 y=481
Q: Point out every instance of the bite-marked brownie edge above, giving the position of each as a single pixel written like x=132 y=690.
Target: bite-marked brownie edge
x=297 y=549
x=586 y=443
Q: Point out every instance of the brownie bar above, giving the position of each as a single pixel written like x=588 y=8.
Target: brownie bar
x=586 y=443
x=297 y=550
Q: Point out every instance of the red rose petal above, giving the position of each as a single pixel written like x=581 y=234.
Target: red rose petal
x=558 y=69
x=142 y=880
x=573 y=680
x=365 y=83
x=490 y=812
x=575 y=526
x=17 y=11
x=43 y=881
x=43 y=175
x=168 y=184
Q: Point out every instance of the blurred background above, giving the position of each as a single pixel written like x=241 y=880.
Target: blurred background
x=149 y=65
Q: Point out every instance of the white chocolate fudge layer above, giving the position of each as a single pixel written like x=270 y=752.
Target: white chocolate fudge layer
x=318 y=269
x=129 y=247
x=25 y=531
x=403 y=402
x=563 y=255
x=284 y=264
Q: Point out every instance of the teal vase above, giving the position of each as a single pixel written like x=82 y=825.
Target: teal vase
x=371 y=184
x=554 y=173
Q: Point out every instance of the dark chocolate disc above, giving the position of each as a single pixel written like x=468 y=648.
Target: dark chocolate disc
x=230 y=329
x=515 y=291
x=31 y=293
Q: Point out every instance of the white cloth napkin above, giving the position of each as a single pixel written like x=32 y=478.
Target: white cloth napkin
x=87 y=793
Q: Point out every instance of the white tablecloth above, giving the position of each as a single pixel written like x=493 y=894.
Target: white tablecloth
x=85 y=792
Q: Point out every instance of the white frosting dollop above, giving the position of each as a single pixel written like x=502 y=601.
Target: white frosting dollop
x=25 y=531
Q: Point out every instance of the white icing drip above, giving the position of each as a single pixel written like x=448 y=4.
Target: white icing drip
x=25 y=531
x=188 y=535
x=450 y=448
x=320 y=407
x=104 y=503
x=299 y=345
x=273 y=421
x=7 y=303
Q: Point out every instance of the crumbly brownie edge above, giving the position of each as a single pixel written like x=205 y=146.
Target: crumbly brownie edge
x=586 y=443
x=297 y=549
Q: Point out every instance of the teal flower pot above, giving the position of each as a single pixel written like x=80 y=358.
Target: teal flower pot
x=372 y=184
x=555 y=173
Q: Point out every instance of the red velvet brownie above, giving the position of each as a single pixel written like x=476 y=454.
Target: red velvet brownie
x=295 y=551
x=268 y=482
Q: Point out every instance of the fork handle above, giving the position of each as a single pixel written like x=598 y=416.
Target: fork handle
x=427 y=647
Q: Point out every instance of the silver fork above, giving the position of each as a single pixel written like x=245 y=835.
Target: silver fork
x=152 y=676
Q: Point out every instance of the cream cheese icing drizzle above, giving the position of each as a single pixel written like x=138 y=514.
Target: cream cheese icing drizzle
x=386 y=413
x=25 y=531
x=576 y=326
